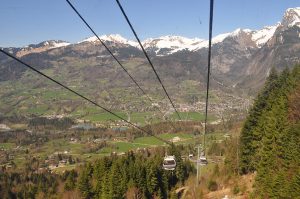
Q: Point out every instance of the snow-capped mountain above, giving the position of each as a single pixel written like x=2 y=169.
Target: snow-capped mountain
x=40 y=47
x=171 y=44
x=241 y=57
x=291 y=17
x=49 y=44
x=260 y=37
x=166 y=45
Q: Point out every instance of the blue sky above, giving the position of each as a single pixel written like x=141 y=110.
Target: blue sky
x=24 y=22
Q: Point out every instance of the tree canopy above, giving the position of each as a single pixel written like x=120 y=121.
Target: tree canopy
x=271 y=135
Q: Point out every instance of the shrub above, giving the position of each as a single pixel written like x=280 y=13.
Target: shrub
x=212 y=185
x=236 y=189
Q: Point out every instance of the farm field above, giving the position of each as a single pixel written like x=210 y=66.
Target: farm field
x=141 y=118
x=7 y=145
x=81 y=149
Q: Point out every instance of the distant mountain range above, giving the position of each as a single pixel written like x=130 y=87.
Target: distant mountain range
x=241 y=60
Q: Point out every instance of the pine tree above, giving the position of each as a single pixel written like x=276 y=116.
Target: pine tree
x=115 y=179
x=100 y=168
x=141 y=177
x=105 y=189
x=152 y=181
x=70 y=181
x=84 y=185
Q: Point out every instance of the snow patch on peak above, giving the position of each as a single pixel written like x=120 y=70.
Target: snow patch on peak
x=180 y=39
x=293 y=11
x=175 y=43
x=60 y=44
x=260 y=37
x=115 y=38
x=48 y=44
x=220 y=38
x=90 y=39
x=171 y=41
x=239 y=31
x=291 y=17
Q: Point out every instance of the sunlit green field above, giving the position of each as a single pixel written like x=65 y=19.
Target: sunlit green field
x=7 y=145
x=136 y=117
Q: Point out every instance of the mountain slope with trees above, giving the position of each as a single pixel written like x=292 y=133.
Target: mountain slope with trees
x=271 y=135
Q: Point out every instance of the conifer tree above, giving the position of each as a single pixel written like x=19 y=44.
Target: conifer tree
x=105 y=189
x=70 y=181
x=100 y=168
x=115 y=179
x=152 y=181
x=84 y=185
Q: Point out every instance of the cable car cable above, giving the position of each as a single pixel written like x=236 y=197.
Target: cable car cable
x=208 y=67
x=145 y=53
x=115 y=58
x=110 y=52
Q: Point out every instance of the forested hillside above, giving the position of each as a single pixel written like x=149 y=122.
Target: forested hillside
x=271 y=135
x=134 y=175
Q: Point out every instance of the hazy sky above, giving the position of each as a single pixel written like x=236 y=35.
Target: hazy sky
x=31 y=21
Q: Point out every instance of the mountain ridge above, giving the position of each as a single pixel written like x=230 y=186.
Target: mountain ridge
x=170 y=44
x=240 y=64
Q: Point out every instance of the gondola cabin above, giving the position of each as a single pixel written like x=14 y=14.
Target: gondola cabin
x=203 y=161
x=169 y=163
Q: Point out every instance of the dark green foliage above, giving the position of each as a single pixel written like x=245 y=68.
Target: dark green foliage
x=294 y=188
x=100 y=169
x=27 y=184
x=133 y=174
x=250 y=138
x=117 y=186
x=63 y=123
x=271 y=135
x=84 y=184
x=70 y=183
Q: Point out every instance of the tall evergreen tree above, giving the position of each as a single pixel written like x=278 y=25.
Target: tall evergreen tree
x=152 y=182
x=115 y=185
x=70 y=183
x=84 y=185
